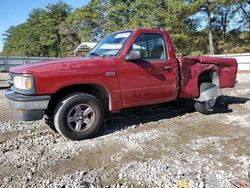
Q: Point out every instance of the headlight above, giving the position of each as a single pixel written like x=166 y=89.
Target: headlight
x=23 y=82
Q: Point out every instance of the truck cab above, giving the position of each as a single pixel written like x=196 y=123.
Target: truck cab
x=126 y=69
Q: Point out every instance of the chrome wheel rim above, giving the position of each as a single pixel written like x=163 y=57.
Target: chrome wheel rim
x=81 y=117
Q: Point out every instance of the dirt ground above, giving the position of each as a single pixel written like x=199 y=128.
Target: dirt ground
x=166 y=145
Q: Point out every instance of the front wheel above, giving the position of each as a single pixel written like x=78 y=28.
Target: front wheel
x=211 y=105
x=78 y=116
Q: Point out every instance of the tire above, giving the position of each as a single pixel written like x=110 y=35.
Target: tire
x=48 y=120
x=78 y=116
x=210 y=106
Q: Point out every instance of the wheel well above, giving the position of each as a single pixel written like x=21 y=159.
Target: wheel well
x=209 y=76
x=96 y=90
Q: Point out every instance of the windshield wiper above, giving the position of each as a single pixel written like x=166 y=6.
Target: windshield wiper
x=96 y=54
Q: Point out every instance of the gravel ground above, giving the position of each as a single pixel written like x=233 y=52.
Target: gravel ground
x=162 y=145
x=3 y=80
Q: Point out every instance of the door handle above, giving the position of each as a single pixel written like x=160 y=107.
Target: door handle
x=167 y=68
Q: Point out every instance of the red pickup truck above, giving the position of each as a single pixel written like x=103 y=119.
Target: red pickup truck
x=126 y=69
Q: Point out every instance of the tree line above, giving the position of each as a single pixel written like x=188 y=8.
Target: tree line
x=196 y=26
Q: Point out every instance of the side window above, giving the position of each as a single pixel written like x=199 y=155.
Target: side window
x=152 y=46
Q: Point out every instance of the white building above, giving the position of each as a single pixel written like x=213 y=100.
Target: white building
x=84 y=48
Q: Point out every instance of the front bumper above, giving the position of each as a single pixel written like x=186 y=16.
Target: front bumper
x=27 y=108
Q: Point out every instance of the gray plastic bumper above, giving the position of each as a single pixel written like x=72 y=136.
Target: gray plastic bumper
x=27 y=108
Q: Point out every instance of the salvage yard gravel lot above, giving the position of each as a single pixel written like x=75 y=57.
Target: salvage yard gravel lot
x=155 y=146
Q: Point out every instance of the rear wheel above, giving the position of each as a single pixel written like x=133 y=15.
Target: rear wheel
x=209 y=106
x=78 y=116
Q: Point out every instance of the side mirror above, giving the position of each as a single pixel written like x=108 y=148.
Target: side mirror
x=133 y=55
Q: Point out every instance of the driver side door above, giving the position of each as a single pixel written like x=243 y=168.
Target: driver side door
x=151 y=79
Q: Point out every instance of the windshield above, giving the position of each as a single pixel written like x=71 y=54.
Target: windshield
x=111 y=45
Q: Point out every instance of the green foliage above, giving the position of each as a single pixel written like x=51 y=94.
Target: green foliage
x=39 y=35
x=83 y=24
x=56 y=31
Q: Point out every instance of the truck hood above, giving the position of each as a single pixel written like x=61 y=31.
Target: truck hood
x=57 y=65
